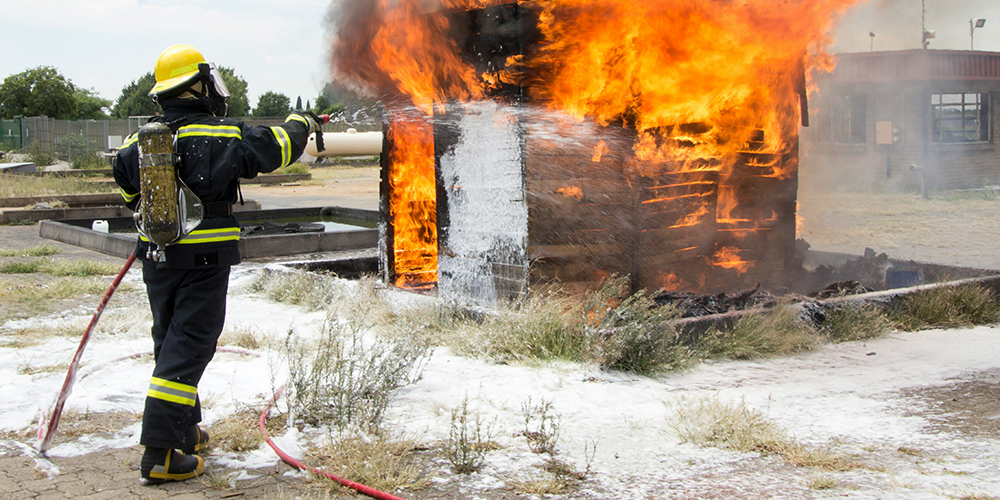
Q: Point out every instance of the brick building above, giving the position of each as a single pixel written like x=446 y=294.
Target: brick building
x=878 y=113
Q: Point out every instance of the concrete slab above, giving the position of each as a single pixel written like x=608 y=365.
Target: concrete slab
x=78 y=232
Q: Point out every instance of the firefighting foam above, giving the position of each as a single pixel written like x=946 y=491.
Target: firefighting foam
x=702 y=83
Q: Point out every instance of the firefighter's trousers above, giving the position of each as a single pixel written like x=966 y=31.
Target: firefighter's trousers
x=189 y=310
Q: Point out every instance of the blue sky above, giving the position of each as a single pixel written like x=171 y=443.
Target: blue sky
x=282 y=45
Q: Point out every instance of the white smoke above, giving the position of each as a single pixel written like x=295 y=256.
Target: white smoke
x=896 y=25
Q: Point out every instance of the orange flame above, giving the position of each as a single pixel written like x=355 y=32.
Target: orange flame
x=729 y=258
x=702 y=84
x=571 y=192
x=670 y=282
x=413 y=204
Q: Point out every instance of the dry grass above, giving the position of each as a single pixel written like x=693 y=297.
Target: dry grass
x=239 y=431
x=31 y=369
x=779 y=332
x=821 y=481
x=217 y=480
x=710 y=422
x=947 y=307
x=609 y=327
x=537 y=328
x=78 y=268
x=246 y=337
x=25 y=185
x=381 y=462
x=35 y=335
x=309 y=290
x=35 y=251
x=549 y=485
x=74 y=423
x=18 y=291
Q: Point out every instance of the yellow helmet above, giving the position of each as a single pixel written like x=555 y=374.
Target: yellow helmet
x=176 y=68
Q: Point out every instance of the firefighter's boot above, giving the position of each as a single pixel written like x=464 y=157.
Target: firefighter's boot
x=160 y=465
x=195 y=440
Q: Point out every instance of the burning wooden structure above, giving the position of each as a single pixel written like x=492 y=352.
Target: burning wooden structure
x=490 y=197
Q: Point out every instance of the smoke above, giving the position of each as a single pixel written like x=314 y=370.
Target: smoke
x=896 y=25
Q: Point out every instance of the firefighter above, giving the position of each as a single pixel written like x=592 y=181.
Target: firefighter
x=187 y=280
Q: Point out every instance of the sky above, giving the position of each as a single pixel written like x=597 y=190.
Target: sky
x=282 y=46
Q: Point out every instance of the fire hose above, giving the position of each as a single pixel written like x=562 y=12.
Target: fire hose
x=360 y=488
x=47 y=427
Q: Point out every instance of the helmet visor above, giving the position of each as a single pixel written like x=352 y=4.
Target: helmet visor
x=220 y=84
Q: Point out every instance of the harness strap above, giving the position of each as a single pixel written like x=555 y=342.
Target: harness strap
x=217 y=209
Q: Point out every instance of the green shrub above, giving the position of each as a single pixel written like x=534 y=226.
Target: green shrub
x=348 y=380
x=847 y=322
x=942 y=307
x=631 y=332
x=37 y=156
x=468 y=441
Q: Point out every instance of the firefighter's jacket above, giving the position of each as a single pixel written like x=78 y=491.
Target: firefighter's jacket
x=214 y=153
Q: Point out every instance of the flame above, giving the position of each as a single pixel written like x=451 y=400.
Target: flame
x=599 y=151
x=571 y=192
x=704 y=85
x=692 y=219
x=729 y=258
x=670 y=282
x=413 y=204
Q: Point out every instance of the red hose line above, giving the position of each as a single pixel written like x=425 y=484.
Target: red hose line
x=47 y=429
x=360 y=488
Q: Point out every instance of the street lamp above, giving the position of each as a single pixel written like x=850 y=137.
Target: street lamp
x=973 y=24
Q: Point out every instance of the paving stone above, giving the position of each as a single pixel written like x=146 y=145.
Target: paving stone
x=54 y=495
x=75 y=488
x=37 y=485
x=103 y=495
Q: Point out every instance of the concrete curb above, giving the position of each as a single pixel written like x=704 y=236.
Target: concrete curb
x=78 y=232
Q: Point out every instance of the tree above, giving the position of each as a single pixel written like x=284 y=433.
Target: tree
x=298 y=103
x=239 y=106
x=323 y=106
x=134 y=99
x=336 y=97
x=90 y=106
x=40 y=91
x=272 y=104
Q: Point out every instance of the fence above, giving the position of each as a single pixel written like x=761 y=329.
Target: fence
x=10 y=134
x=71 y=138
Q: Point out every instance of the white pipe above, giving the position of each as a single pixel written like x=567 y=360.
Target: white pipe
x=350 y=143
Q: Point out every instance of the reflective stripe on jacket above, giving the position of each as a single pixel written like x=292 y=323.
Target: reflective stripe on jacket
x=214 y=154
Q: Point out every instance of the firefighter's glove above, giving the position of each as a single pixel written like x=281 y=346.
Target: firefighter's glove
x=315 y=123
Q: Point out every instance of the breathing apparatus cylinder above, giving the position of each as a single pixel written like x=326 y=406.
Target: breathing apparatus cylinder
x=169 y=210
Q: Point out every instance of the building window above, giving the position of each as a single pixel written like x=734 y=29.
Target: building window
x=846 y=121
x=961 y=117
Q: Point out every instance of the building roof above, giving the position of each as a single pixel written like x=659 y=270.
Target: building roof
x=917 y=65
